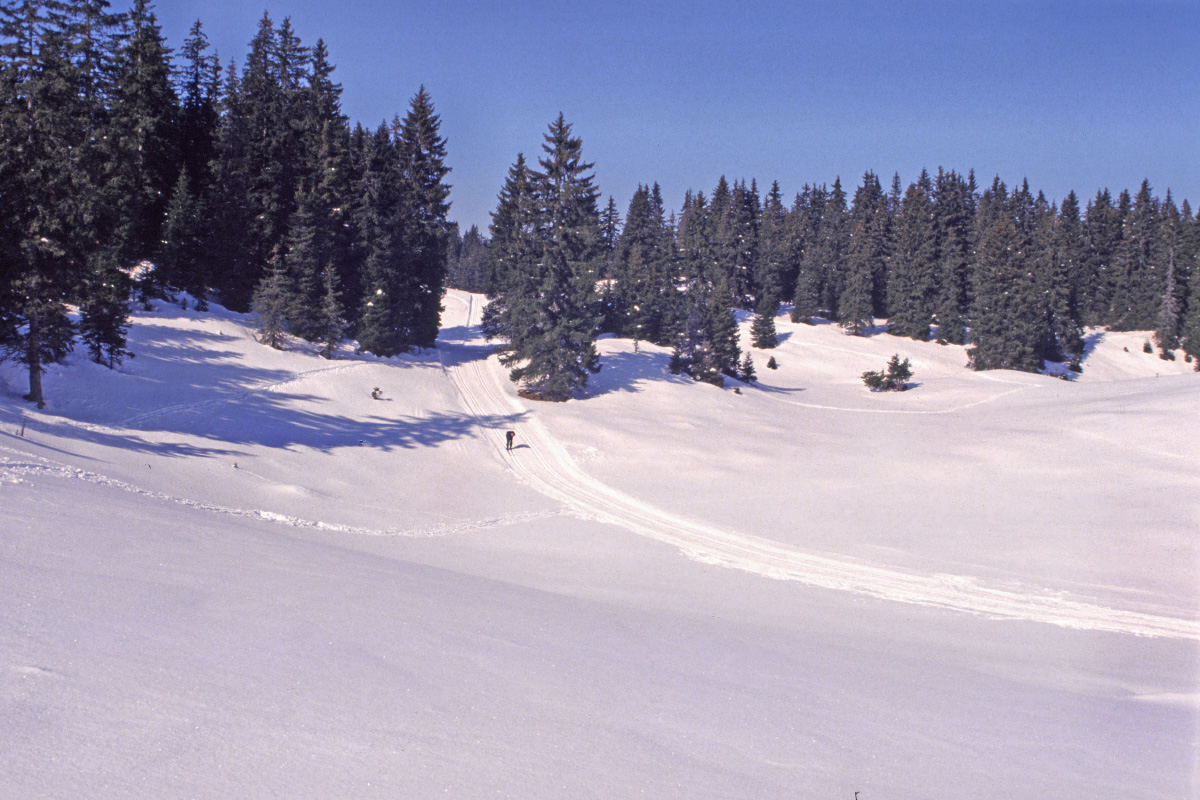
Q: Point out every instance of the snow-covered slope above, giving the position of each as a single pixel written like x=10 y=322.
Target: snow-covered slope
x=229 y=571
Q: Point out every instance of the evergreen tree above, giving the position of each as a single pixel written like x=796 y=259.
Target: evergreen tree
x=762 y=330
x=1137 y=285
x=329 y=327
x=954 y=210
x=470 y=264
x=514 y=246
x=270 y=306
x=746 y=372
x=1065 y=291
x=50 y=106
x=914 y=282
x=388 y=311
x=1169 y=315
x=865 y=256
x=1102 y=233
x=422 y=155
x=104 y=316
x=180 y=261
x=1190 y=332
x=552 y=310
x=140 y=137
x=1007 y=318
x=771 y=267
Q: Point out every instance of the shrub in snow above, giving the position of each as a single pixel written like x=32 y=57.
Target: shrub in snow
x=894 y=379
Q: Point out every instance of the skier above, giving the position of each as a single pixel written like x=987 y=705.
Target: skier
x=508 y=437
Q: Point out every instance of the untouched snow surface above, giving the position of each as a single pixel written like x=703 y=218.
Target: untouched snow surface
x=228 y=571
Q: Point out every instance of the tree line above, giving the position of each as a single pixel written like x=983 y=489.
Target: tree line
x=124 y=168
x=1002 y=270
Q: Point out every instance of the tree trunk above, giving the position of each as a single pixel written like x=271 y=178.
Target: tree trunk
x=33 y=354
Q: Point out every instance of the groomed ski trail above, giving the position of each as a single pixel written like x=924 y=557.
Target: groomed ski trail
x=547 y=467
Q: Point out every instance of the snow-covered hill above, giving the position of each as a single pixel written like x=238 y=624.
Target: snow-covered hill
x=228 y=570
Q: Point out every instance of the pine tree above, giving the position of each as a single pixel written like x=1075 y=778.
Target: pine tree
x=1137 y=288
x=762 y=330
x=140 y=137
x=771 y=267
x=553 y=314
x=746 y=372
x=104 y=316
x=514 y=246
x=804 y=231
x=180 y=260
x=1190 y=328
x=387 y=313
x=1008 y=326
x=470 y=265
x=1102 y=234
x=1169 y=316
x=329 y=327
x=954 y=212
x=422 y=154
x=50 y=68
x=913 y=283
x=272 y=300
x=1065 y=290
x=865 y=256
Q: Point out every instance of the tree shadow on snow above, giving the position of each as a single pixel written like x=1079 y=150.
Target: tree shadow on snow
x=625 y=372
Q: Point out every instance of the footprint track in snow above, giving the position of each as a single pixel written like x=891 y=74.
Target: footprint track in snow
x=548 y=468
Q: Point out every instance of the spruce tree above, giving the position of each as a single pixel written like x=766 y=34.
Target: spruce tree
x=180 y=260
x=762 y=330
x=422 y=155
x=1190 y=328
x=553 y=314
x=514 y=247
x=328 y=328
x=270 y=306
x=1008 y=326
x=48 y=173
x=104 y=316
x=1137 y=285
x=140 y=136
x=954 y=211
x=1169 y=315
x=866 y=251
x=914 y=281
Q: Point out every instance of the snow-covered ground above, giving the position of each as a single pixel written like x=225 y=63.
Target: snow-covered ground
x=228 y=571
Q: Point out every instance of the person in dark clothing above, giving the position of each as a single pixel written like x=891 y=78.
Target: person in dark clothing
x=509 y=439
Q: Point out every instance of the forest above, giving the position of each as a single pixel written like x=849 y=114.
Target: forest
x=1003 y=270
x=130 y=173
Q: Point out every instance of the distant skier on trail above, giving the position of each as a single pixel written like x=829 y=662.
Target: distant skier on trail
x=508 y=438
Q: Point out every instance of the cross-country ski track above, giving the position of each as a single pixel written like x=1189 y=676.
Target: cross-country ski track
x=547 y=467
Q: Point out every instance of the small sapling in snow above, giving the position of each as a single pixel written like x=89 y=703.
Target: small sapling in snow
x=894 y=379
x=376 y=393
x=772 y=363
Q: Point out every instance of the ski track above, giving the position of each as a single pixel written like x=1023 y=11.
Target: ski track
x=547 y=467
x=15 y=468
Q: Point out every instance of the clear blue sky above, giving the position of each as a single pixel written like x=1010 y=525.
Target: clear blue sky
x=1071 y=95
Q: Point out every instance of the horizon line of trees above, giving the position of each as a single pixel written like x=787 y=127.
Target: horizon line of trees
x=248 y=185
x=1003 y=271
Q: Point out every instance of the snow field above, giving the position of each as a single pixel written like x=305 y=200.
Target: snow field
x=378 y=600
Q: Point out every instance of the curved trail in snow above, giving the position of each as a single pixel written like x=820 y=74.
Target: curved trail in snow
x=547 y=467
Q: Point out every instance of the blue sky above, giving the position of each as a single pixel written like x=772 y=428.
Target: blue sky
x=1071 y=95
